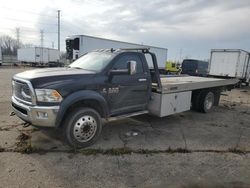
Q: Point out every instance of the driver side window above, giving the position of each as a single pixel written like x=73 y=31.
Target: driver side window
x=122 y=63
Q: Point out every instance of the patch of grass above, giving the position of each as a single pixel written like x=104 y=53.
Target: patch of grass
x=89 y=151
x=5 y=128
x=2 y=149
x=23 y=144
x=9 y=127
x=118 y=151
x=128 y=151
x=113 y=151
x=237 y=151
x=23 y=137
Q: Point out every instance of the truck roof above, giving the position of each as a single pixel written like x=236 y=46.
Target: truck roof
x=116 y=51
x=196 y=60
x=228 y=50
x=38 y=47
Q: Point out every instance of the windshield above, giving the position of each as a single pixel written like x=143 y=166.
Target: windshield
x=94 y=61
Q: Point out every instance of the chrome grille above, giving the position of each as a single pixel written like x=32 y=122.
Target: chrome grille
x=21 y=91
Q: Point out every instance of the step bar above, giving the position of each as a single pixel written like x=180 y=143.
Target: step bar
x=127 y=115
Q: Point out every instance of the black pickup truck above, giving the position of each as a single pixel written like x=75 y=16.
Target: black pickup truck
x=106 y=84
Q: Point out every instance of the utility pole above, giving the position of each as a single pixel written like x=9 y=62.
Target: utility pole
x=41 y=49
x=52 y=45
x=18 y=37
x=180 y=54
x=58 y=29
x=41 y=37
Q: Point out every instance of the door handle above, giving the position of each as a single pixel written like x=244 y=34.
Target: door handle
x=142 y=79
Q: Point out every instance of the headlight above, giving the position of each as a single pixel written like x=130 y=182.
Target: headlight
x=48 y=95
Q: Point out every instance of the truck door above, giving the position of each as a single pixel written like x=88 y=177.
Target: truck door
x=130 y=92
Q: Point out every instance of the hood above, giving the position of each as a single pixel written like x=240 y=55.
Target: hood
x=51 y=72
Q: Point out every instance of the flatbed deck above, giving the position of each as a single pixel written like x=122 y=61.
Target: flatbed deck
x=189 y=83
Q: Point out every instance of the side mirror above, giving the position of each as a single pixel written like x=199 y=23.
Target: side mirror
x=132 y=67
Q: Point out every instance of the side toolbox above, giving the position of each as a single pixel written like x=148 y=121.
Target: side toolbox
x=166 y=104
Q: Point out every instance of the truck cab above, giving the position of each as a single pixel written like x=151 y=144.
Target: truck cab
x=73 y=48
x=111 y=82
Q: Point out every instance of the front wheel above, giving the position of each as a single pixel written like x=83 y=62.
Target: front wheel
x=82 y=127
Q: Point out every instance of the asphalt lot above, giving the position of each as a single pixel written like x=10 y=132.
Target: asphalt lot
x=189 y=149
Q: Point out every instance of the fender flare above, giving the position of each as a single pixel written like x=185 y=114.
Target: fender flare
x=79 y=96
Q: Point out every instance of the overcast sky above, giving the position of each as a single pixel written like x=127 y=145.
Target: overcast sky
x=188 y=28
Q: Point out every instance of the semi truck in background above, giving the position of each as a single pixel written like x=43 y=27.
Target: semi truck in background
x=231 y=63
x=38 y=56
x=78 y=45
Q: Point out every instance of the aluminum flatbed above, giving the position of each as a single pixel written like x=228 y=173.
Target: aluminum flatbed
x=189 y=83
x=176 y=94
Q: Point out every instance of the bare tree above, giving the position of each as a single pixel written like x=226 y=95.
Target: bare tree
x=9 y=45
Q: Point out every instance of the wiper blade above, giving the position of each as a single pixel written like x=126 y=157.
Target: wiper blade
x=82 y=69
x=76 y=67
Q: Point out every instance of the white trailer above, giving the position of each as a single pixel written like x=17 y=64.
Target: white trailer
x=233 y=63
x=38 y=56
x=78 y=45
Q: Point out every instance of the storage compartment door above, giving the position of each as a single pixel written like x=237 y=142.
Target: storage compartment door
x=167 y=104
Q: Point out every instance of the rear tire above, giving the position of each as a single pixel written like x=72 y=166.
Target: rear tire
x=206 y=101
x=82 y=127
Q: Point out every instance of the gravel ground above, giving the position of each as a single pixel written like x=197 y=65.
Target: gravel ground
x=184 y=150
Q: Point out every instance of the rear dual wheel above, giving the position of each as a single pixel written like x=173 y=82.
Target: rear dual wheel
x=203 y=101
x=208 y=102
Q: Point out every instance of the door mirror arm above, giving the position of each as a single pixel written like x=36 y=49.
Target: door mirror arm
x=114 y=72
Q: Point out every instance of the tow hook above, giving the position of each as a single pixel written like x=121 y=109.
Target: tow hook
x=26 y=124
x=12 y=113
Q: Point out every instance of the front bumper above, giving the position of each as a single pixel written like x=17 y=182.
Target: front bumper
x=44 y=116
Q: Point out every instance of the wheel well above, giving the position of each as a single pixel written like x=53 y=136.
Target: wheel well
x=90 y=103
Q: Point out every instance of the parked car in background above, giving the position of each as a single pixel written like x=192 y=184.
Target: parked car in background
x=194 y=67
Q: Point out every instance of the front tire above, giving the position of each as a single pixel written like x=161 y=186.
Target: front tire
x=82 y=127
